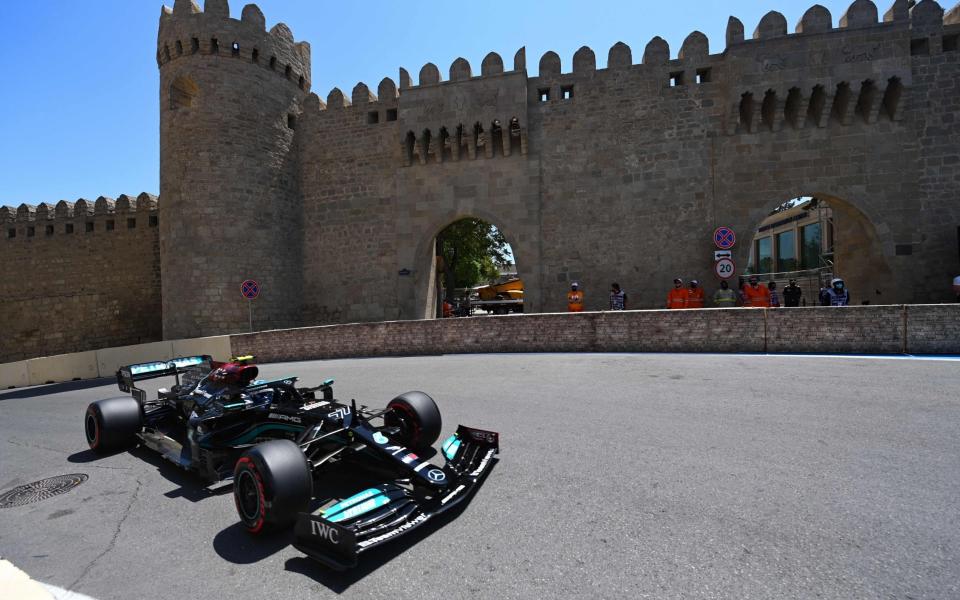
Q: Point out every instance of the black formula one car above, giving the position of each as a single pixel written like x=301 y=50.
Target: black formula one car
x=281 y=443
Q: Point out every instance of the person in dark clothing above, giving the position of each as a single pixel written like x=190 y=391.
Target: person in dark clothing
x=792 y=294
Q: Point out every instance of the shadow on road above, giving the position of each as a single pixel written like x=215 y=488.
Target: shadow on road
x=190 y=487
x=236 y=545
x=55 y=388
x=89 y=456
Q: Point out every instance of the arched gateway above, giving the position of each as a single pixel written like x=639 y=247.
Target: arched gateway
x=596 y=175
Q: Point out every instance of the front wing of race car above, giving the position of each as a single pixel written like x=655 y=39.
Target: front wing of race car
x=379 y=514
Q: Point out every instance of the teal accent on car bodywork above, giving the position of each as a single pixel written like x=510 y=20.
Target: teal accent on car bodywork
x=451 y=446
x=356 y=505
x=253 y=433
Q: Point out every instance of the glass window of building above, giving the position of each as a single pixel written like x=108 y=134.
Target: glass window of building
x=811 y=240
x=764 y=255
x=787 y=251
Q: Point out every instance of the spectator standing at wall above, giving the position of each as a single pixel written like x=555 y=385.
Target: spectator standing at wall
x=725 y=297
x=956 y=287
x=677 y=297
x=695 y=297
x=756 y=295
x=837 y=293
x=575 y=298
x=792 y=294
x=618 y=298
x=774 y=296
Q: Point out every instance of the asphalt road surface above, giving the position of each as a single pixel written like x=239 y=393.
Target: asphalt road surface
x=660 y=476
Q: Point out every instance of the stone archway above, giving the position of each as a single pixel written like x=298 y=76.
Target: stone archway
x=859 y=254
x=422 y=297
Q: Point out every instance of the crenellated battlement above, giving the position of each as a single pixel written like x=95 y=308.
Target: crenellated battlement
x=64 y=218
x=187 y=31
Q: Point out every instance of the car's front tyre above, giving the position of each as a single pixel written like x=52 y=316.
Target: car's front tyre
x=417 y=417
x=272 y=482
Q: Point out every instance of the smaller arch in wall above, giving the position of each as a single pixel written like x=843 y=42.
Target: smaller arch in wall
x=361 y=94
x=387 y=90
x=866 y=101
x=83 y=208
x=63 y=210
x=816 y=106
x=768 y=110
x=336 y=99
x=841 y=103
x=891 y=99
x=735 y=33
x=746 y=113
x=792 y=110
x=183 y=92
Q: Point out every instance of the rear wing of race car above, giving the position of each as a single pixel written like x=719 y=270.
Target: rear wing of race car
x=338 y=535
x=130 y=374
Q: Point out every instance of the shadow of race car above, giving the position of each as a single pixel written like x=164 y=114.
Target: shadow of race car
x=281 y=444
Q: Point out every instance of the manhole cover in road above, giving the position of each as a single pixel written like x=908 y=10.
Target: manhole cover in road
x=41 y=490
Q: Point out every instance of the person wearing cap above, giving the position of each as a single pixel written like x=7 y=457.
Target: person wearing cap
x=575 y=298
x=725 y=297
x=792 y=294
x=695 y=295
x=756 y=295
x=677 y=297
x=774 y=296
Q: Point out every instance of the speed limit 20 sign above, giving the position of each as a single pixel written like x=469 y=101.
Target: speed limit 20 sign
x=725 y=268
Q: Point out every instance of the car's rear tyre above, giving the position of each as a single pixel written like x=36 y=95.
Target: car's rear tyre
x=417 y=417
x=112 y=424
x=272 y=482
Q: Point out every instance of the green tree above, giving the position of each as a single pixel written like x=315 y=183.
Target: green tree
x=473 y=251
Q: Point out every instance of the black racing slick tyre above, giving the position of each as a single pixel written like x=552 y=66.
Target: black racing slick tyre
x=417 y=417
x=272 y=482
x=112 y=424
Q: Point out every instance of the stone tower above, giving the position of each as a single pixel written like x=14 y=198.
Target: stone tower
x=229 y=98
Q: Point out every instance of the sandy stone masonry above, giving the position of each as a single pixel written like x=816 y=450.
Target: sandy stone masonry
x=593 y=174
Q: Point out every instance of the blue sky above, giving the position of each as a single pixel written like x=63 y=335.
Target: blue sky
x=79 y=99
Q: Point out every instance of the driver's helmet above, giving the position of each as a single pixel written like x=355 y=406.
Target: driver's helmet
x=836 y=283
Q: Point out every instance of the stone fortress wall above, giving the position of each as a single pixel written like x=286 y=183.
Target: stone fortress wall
x=594 y=175
x=76 y=276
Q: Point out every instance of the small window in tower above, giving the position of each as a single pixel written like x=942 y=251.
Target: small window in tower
x=302 y=83
x=88 y=227
x=194 y=45
x=179 y=45
x=31 y=232
x=255 y=57
x=287 y=71
x=214 y=46
x=235 y=49
x=391 y=114
x=131 y=223
x=920 y=47
x=11 y=233
x=49 y=230
x=68 y=228
x=950 y=42
x=544 y=94
x=273 y=63
x=566 y=92
x=153 y=221
x=373 y=117
x=703 y=76
x=292 y=121
x=110 y=225
x=676 y=79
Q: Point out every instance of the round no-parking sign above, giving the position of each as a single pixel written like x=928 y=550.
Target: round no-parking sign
x=724 y=238
x=250 y=289
x=725 y=268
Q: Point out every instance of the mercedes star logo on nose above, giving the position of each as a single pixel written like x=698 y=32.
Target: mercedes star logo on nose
x=436 y=475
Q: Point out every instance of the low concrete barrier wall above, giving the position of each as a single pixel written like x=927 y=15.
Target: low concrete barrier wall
x=854 y=329
x=914 y=329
